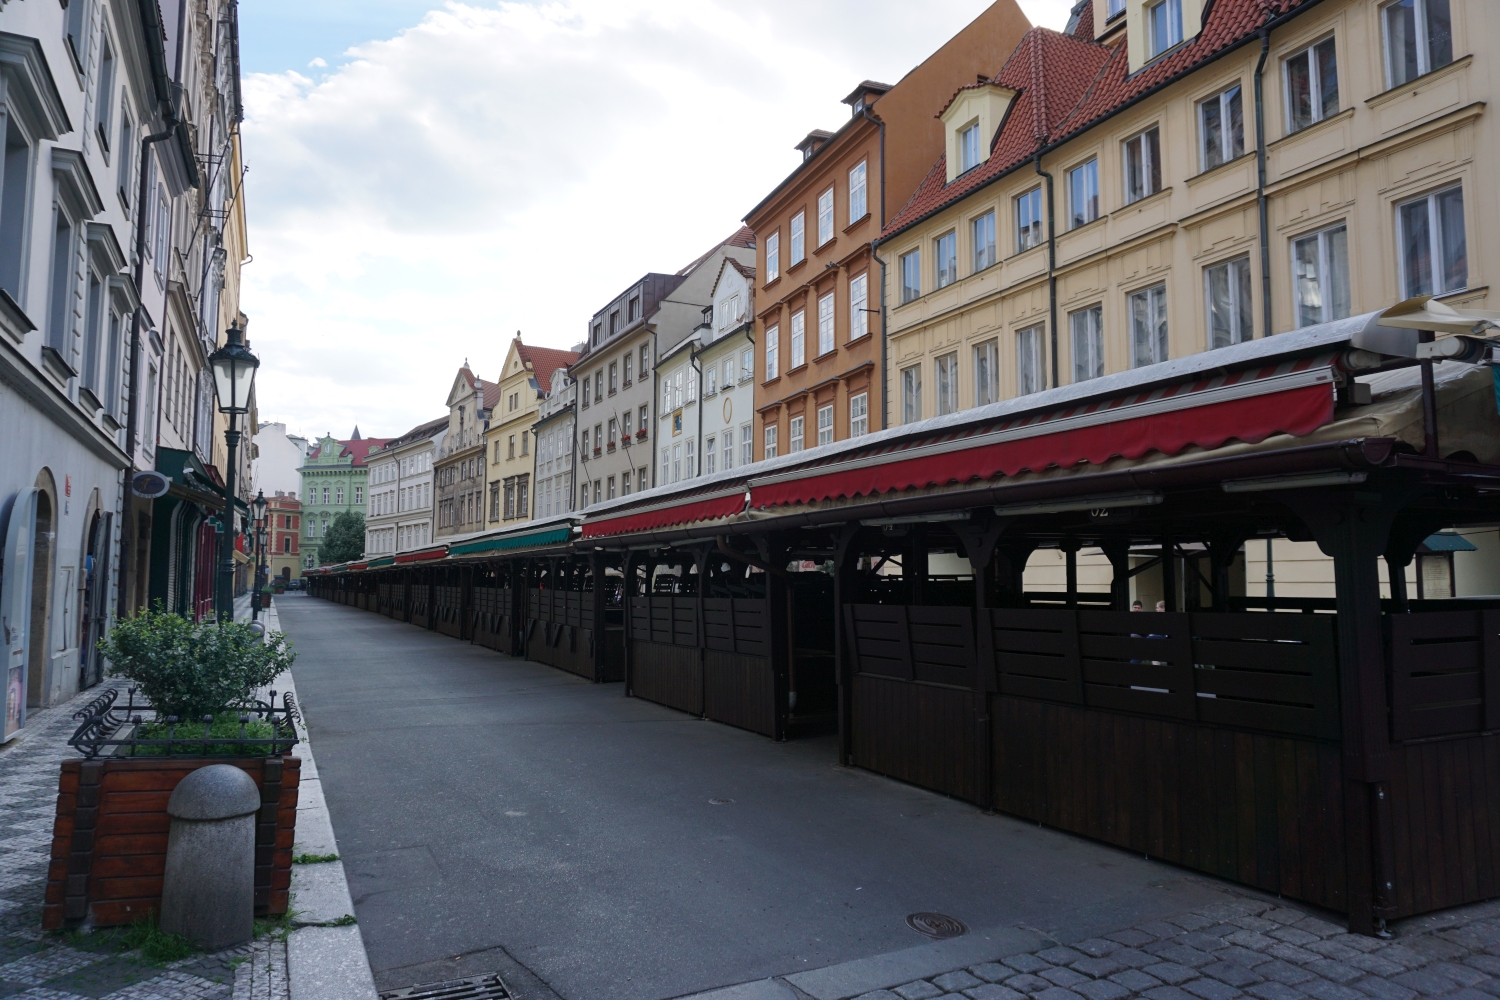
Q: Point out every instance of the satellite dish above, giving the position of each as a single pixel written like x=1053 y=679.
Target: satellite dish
x=150 y=485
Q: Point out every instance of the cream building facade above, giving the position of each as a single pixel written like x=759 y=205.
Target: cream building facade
x=556 y=433
x=524 y=382
x=1126 y=219
x=399 y=514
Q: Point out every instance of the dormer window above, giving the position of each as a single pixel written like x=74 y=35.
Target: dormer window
x=1165 y=20
x=635 y=308
x=968 y=148
x=1114 y=9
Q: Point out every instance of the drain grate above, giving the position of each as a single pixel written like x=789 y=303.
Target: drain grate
x=478 y=988
x=937 y=925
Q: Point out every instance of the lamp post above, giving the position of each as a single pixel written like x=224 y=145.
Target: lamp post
x=258 y=506
x=234 y=370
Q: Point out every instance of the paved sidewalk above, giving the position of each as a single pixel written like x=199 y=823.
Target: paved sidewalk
x=1241 y=948
x=37 y=965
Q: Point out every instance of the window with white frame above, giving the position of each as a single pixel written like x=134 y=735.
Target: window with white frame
x=710 y=380
x=945 y=250
x=1434 y=251
x=1148 y=326
x=1418 y=38
x=911 y=394
x=946 y=369
x=1312 y=85
x=825 y=217
x=968 y=148
x=859 y=305
x=825 y=324
x=1031 y=373
x=676 y=462
x=1320 y=275
x=1221 y=128
x=60 y=282
x=770 y=445
x=982 y=230
x=825 y=424
x=794 y=436
x=689 y=460
x=773 y=352
x=799 y=339
x=911 y=276
x=1029 y=220
x=799 y=238
x=747 y=364
x=1087 y=329
x=1142 y=165
x=728 y=439
x=859 y=415
x=1230 y=308
x=747 y=446
x=1083 y=193
x=1114 y=9
x=986 y=370
x=1164 y=26
x=857 y=190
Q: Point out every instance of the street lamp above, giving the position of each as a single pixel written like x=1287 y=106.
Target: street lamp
x=234 y=370
x=258 y=506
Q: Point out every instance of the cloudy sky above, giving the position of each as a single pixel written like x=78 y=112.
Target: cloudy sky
x=426 y=179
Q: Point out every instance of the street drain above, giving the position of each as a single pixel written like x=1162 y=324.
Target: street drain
x=478 y=988
x=937 y=925
x=721 y=802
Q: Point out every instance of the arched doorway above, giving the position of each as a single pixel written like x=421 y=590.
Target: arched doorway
x=93 y=604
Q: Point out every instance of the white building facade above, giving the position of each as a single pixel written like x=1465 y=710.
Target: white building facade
x=556 y=450
x=399 y=515
x=278 y=455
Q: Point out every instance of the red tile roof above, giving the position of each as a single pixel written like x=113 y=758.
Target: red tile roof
x=490 y=396
x=1069 y=83
x=544 y=361
x=360 y=449
x=741 y=237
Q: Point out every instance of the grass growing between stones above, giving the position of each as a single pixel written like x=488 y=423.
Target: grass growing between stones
x=313 y=859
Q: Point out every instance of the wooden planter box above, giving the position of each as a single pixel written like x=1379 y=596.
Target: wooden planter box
x=109 y=841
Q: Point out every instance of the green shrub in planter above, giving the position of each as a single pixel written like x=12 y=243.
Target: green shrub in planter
x=192 y=669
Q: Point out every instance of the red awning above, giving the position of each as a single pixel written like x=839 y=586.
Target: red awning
x=678 y=510
x=422 y=556
x=1249 y=407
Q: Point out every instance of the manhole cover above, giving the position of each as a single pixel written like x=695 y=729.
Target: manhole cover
x=936 y=925
x=478 y=988
x=721 y=802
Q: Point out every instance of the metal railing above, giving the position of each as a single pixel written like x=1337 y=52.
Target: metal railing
x=109 y=729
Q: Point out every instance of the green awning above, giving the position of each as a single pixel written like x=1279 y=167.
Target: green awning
x=1445 y=542
x=382 y=561
x=529 y=540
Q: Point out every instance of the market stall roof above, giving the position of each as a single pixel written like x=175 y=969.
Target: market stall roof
x=554 y=530
x=422 y=555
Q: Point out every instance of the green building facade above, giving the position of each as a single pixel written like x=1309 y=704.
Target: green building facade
x=334 y=480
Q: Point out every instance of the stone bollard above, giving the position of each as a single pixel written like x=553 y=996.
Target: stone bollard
x=208 y=891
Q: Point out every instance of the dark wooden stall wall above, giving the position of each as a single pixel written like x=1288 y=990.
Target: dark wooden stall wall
x=738 y=687
x=560 y=630
x=668 y=664
x=421 y=606
x=492 y=613
x=449 y=610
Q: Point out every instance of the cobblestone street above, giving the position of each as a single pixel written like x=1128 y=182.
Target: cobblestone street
x=1244 y=948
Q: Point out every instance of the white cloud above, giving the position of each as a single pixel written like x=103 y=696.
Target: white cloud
x=318 y=62
x=496 y=168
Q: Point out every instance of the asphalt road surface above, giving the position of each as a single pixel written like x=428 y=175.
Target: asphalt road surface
x=499 y=815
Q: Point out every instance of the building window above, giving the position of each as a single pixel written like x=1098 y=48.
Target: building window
x=825 y=424
x=609 y=488
x=585 y=445
x=1221 y=126
x=597 y=334
x=1230 y=314
x=859 y=304
x=523 y=501
x=710 y=380
x=794 y=436
x=771 y=440
x=1312 y=85
x=613 y=385
x=614 y=433
x=968 y=148
x=911 y=394
x=1031 y=373
x=1142 y=165
x=773 y=256
x=773 y=352
x=511 y=448
x=728 y=449
x=614 y=322
x=911 y=276
x=945 y=248
x=747 y=448
x=1083 y=193
x=645 y=359
x=1114 y=9
x=359 y=498
x=983 y=231
x=1165 y=26
x=585 y=392
x=626 y=375
x=857 y=209
x=1087 y=328
x=640 y=423
x=825 y=217
x=338 y=495
x=583 y=495
x=1148 y=326
x=525 y=443
x=1029 y=220
x=859 y=415
x=799 y=242
x=60 y=325
x=666 y=465
x=599 y=386
x=825 y=324
x=799 y=339
x=986 y=358
x=747 y=364
x=710 y=456
x=494 y=501
x=598 y=494
x=1434 y=253
x=641 y=480
x=1418 y=38
x=633 y=308
x=1320 y=274
x=947 y=383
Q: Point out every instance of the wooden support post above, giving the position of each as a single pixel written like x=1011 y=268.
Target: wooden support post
x=778 y=611
x=596 y=563
x=1223 y=550
x=979 y=543
x=845 y=591
x=1169 y=570
x=1070 y=547
x=700 y=563
x=1117 y=551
